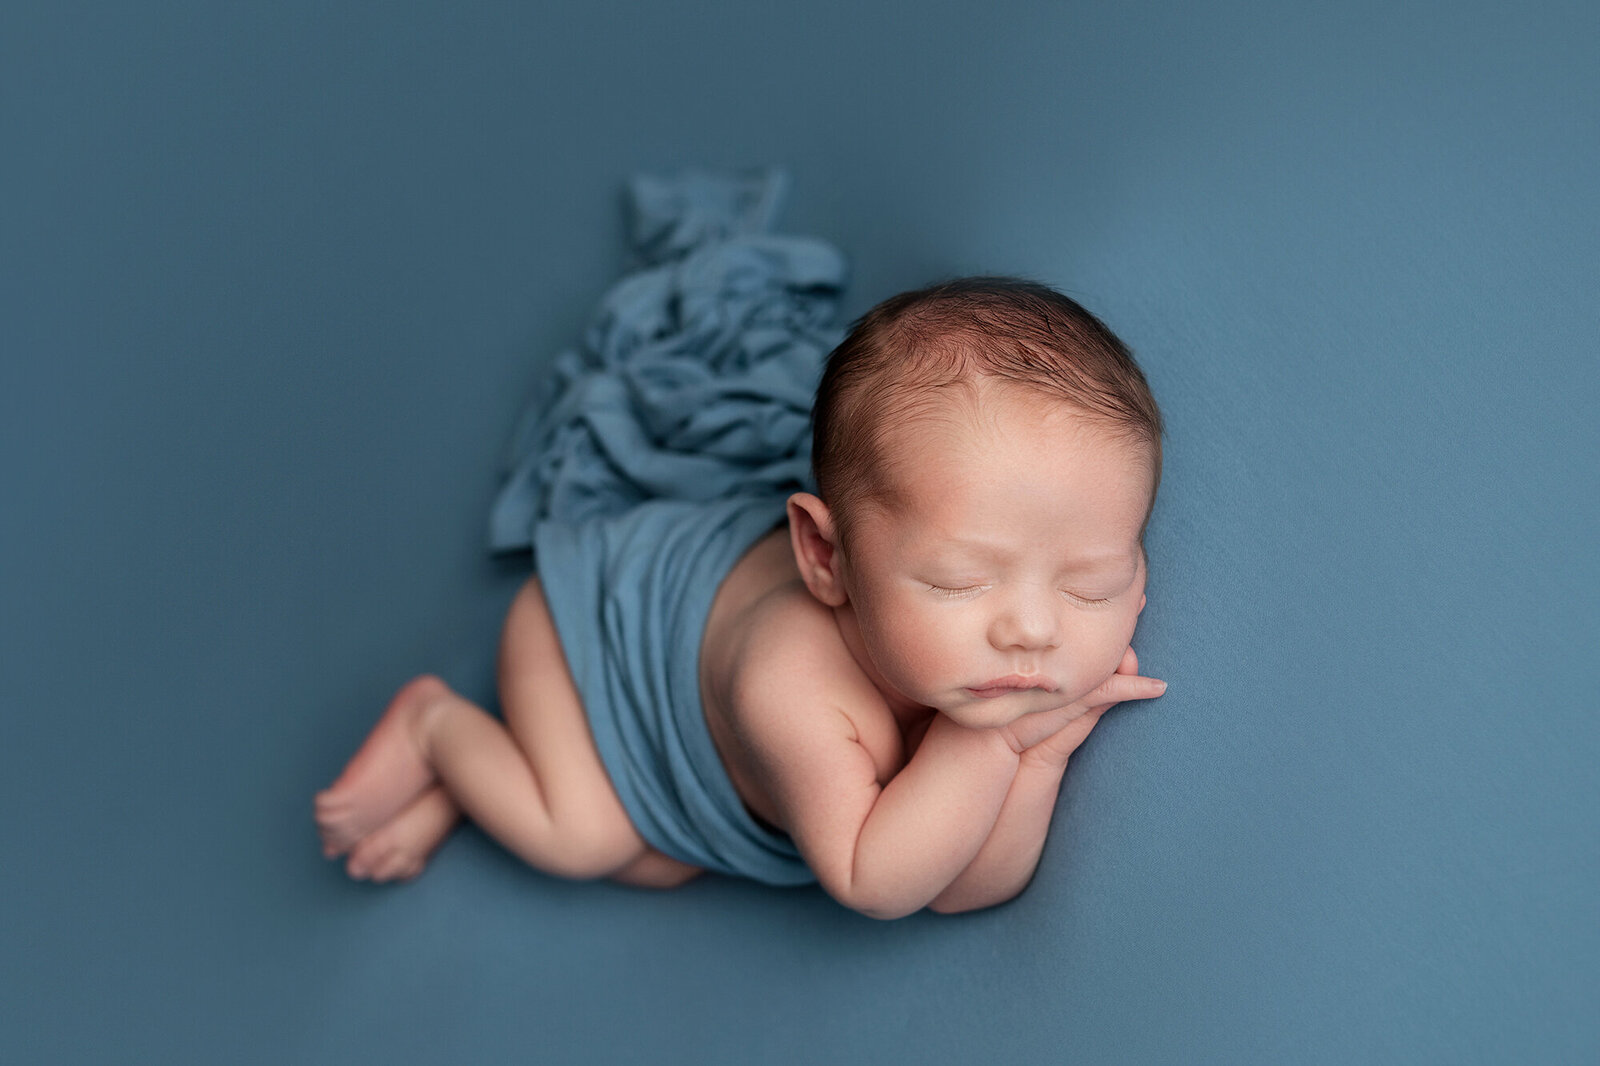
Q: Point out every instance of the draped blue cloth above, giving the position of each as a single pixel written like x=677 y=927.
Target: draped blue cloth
x=696 y=373
x=663 y=449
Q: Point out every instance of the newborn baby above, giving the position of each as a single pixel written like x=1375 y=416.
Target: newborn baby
x=891 y=673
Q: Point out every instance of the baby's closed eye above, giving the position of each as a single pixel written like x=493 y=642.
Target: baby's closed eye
x=956 y=591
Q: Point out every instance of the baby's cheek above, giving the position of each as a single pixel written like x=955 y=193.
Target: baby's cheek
x=913 y=655
x=922 y=652
x=1103 y=654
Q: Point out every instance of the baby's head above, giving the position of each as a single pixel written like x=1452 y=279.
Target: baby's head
x=987 y=455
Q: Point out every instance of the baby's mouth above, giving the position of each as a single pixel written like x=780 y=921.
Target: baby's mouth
x=1013 y=683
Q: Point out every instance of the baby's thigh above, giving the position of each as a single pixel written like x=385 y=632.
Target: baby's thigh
x=544 y=713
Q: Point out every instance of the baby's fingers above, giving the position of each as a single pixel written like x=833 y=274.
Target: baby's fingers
x=1129 y=663
x=1119 y=688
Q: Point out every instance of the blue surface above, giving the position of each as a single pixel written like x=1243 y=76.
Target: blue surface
x=274 y=283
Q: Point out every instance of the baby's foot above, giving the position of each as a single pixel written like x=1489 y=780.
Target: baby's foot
x=387 y=772
x=399 y=849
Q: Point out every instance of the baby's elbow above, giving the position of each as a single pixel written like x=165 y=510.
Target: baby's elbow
x=956 y=904
x=881 y=906
x=881 y=912
x=887 y=913
x=940 y=906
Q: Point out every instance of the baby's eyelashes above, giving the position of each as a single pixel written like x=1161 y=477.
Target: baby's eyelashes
x=956 y=592
x=953 y=592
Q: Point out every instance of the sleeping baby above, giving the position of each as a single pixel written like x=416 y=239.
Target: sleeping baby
x=876 y=685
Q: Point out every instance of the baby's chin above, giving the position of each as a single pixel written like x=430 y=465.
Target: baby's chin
x=976 y=712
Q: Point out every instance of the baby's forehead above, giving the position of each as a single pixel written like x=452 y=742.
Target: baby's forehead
x=918 y=424
x=1007 y=443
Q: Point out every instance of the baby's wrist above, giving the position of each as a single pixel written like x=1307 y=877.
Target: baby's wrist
x=1045 y=757
x=1012 y=741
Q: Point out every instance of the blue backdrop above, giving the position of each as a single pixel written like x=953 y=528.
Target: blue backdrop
x=274 y=280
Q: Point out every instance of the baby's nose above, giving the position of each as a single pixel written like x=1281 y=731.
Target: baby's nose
x=1027 y=621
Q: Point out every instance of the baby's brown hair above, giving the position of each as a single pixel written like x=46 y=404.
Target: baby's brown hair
x=913 y=346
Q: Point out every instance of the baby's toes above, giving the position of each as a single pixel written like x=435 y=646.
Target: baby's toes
x=381 y=858
x=366 y=858
x=396 y=865
x=333 y=816
x=330 y=805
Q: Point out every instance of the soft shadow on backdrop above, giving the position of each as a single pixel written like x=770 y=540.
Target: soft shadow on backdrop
x=274 y=282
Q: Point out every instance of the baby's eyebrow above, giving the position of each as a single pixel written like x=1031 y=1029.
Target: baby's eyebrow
x=1100 y=561
x=1084 y=562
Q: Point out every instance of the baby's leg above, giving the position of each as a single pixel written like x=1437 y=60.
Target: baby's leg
x=536 y=783
x=655 y=870
x=543 y=711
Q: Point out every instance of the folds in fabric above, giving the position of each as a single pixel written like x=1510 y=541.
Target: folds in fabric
x=696 y=373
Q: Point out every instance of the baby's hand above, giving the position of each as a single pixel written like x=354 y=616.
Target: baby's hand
x=1050 y=737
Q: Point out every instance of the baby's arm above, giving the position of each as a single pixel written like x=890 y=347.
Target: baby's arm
x=1007 y=860
x=885 y=848
x=884 y=851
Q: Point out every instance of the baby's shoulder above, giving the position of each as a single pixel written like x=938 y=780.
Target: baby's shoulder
x=791 y=657
x=799 y=705
x=787 y=632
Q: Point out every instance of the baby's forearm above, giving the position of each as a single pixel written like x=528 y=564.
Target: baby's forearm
x=1008 y=858
x=930 y=822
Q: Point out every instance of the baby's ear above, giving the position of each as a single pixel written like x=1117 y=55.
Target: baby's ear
x=816 y=553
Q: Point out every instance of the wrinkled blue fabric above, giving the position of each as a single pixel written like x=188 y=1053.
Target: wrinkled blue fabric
x=663 y=449
x=696 y=373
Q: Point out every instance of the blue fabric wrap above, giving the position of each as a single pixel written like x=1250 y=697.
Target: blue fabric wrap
x=630 y=599
x=696 y=373
x=664 y=447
